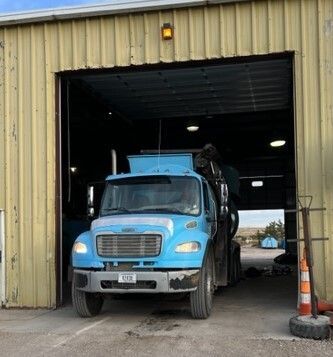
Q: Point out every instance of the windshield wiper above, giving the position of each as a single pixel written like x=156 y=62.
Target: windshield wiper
x=175 y=210
x=159 y=209
x=115 y=209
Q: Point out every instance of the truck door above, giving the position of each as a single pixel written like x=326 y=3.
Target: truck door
x=213 y=210
x=210 y=210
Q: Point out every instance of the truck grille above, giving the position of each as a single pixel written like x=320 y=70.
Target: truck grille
x=128 y=245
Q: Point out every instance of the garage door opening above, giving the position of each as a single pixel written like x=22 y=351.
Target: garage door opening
x=240 y=106
x=262 y=237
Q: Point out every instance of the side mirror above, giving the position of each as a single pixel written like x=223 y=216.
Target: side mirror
x=90 y=201
x=91 y=212
x=224 y=200
x=95 y=190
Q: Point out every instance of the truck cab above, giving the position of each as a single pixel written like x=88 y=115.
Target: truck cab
x=157 y=232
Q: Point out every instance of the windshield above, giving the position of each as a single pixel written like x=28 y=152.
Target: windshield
x=151 y=194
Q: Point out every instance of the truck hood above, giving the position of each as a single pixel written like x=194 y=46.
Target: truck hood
x=171 y=223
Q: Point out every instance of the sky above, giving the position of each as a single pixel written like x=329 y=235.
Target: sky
x=259 y=218
x=27 y=5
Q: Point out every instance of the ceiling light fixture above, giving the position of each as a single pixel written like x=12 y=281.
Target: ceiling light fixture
x=73 y=169
x=277 y=143
x=257 y=183
x=192 y=126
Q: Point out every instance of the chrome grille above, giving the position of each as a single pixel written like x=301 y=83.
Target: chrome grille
x=128 y=245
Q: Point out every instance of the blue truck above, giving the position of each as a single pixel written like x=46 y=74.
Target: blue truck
x=165 y=227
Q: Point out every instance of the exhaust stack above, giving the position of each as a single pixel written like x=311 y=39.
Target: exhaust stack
x=114 y=161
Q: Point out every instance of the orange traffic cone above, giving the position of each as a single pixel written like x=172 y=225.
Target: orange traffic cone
x=305 y=301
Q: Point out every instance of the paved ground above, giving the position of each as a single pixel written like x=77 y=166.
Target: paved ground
x=257 y=257
x=248 y=320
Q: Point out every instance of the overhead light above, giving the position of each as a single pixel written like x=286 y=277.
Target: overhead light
x=257 y=183
x=167 y=31
x=73 y=169
x=277 y=143
x=110 y=113
x=192 y=126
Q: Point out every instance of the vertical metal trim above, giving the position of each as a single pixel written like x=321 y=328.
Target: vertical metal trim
x=3 y=258
x=207 y=35
x=286 y=23
x=323 y=127
x=222 y=35
x=296 y=172
x=103 y=41
x=269 y=27
x=60 y=46
x=191 y=44
x=6 y=136
x=74 y=44
x=132 y=34
x=34 y=166
x=238 y=30
x=254 y=38
x=58 y=191
x=88 y=43
x=49 y=164
x=147 y=56
x=21 y=171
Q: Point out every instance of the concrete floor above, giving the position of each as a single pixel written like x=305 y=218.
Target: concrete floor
x=248 y=320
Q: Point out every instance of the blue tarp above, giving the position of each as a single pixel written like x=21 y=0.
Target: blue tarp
x=269 y=242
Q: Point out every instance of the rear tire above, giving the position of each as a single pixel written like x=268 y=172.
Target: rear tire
x=201 y=300
x=86 y=304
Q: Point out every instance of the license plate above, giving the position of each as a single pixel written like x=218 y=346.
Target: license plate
x=127 y=278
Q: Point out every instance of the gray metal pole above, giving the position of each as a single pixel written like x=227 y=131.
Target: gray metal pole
x=309 y=257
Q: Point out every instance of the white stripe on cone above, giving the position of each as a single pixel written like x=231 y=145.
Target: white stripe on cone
x=305 y=276
x=305 y=298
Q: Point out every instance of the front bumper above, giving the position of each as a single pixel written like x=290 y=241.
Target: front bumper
x=147 y=281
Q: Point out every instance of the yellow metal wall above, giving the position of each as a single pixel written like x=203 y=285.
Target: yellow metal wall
x=31 y=55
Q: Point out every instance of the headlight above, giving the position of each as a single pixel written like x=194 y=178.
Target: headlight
x=80 y=248
x=188 y=247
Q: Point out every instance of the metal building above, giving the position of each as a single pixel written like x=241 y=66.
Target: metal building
x=36 y=47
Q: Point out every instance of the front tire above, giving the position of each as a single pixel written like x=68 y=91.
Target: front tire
x=201 y=300
x=86 y=304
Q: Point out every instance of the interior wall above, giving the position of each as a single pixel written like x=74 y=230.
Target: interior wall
x=31 y=55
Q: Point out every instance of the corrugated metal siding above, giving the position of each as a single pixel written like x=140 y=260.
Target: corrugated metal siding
x=30 y=55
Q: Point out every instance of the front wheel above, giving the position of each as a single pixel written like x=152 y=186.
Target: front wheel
x=86 y=304
x=202 y=299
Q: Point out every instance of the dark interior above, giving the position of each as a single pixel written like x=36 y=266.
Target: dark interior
x=240 y=106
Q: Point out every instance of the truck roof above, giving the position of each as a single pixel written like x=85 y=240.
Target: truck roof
x=143 y=163
x=162 y=170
